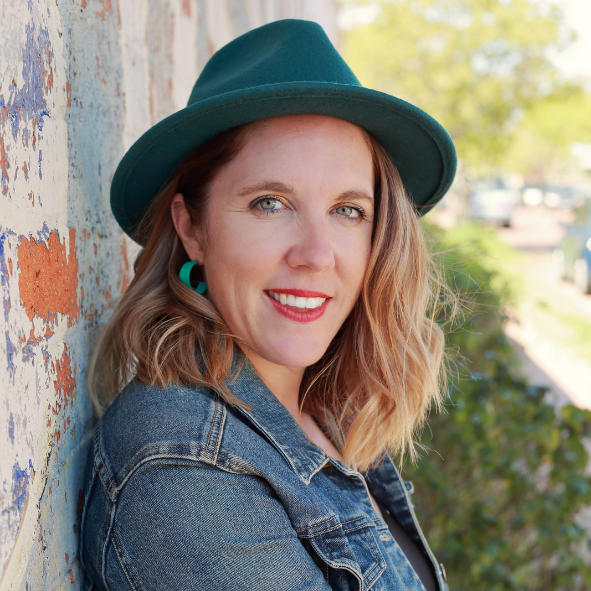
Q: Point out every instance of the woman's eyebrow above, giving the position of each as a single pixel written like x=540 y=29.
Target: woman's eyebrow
x=356 y=194
x=278 y=187
x=273 y=186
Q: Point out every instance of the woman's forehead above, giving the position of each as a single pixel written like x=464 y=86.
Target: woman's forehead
x=305 y=145
x=303 y=125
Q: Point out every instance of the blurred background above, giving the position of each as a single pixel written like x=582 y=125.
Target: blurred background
x=511 y=82
x=503 y=486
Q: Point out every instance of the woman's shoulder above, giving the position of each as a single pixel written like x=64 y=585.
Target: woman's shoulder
x=170 y=424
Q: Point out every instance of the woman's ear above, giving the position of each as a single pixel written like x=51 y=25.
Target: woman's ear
x=186 y=230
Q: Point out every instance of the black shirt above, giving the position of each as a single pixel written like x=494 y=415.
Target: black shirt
x=420 y=563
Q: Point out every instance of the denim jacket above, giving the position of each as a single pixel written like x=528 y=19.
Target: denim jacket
x=185 y=492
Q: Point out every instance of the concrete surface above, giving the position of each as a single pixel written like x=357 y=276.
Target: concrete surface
x=80 y=80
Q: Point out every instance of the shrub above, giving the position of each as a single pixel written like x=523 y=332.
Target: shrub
x=499 y=499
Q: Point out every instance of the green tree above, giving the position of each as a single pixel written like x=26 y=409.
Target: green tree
x=542 y=142
x=475 y=65
x=500 y=495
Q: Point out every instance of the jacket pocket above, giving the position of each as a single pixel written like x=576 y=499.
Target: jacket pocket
x=350 y=547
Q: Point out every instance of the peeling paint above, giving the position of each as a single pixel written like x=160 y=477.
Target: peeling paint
x=18 y=494
x=80 y=81
x=65 y=382
x=48 y=281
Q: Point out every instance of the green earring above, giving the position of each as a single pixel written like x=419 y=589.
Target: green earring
x=185 y=277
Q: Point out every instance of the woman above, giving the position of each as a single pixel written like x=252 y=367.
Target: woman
x=274 y=341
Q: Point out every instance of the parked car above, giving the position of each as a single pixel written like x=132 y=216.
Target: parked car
x=572 y=255
x=492 y=200
x=563 y=197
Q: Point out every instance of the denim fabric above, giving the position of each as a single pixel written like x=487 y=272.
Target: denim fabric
x=184 y=492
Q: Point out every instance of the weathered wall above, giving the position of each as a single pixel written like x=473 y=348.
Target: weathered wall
x=80 y=80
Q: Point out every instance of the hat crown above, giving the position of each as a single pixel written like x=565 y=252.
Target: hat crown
x=281 y=52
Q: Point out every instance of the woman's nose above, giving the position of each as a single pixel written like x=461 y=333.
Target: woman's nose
x=313 y=248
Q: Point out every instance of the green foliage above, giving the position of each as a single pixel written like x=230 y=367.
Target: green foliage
x=499 y=498
x=474 y=65
x=547 y=131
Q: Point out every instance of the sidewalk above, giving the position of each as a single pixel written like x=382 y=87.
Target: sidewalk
x=546 y=363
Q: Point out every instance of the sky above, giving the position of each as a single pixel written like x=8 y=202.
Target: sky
x=576 y=60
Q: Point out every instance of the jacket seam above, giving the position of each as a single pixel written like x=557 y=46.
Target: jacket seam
x=100 y=454
x=440 y=582
x=200 y=455
x=131 y=579
x=218 y=441
x=192 y=460
x=215 y=412
x=335 y=526
x=105 y=549
x=378 y=559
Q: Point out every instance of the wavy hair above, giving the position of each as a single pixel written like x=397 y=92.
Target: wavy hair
x=382 y=372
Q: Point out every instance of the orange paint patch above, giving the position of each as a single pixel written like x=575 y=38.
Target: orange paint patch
x=69 y=93
x=10 y=266
x=65 y=382
x=106 y=6
x=187 y=7
x=48 y=281
x=4 y=165
x=33 y=339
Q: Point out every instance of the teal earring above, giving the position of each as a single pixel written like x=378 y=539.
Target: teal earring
x=185 y=277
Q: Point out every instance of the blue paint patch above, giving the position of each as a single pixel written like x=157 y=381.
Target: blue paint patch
x=28 y=353
x=10 y=353
x=28 y=103
x=4 y=235
x=11 y=429
x=45 y=353
x=40 y=175
x=20 y=485
x=43 y=234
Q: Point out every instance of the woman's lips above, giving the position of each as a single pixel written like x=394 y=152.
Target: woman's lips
x=297 y=315
x=301 y=293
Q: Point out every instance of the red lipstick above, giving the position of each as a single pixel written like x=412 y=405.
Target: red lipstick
x=299 y=316
x=300 y=293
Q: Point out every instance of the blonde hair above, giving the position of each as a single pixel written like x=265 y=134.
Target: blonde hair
x=378 y=378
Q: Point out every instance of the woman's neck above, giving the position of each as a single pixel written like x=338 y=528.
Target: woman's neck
x=283 y=381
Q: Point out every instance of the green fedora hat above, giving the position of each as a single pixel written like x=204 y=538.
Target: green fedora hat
x=283 y=68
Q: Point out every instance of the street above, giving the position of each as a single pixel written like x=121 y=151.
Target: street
x=552 y=326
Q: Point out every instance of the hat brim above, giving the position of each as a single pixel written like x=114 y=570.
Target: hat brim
x=419 y=146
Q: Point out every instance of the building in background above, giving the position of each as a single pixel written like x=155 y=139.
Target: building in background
x=80 y=81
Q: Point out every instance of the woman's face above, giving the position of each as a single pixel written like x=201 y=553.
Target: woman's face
x=290 y=219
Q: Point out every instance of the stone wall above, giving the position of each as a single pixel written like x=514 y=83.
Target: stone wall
x=80 y=81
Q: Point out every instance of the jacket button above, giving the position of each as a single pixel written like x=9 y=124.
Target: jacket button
x=442 y=569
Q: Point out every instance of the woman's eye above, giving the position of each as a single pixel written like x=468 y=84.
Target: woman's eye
x=349 y=212
x=270 y=204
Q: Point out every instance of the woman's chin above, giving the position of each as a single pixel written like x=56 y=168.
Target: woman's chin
x=291 y=353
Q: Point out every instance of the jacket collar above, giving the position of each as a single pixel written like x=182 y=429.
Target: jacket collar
x=274 y=420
